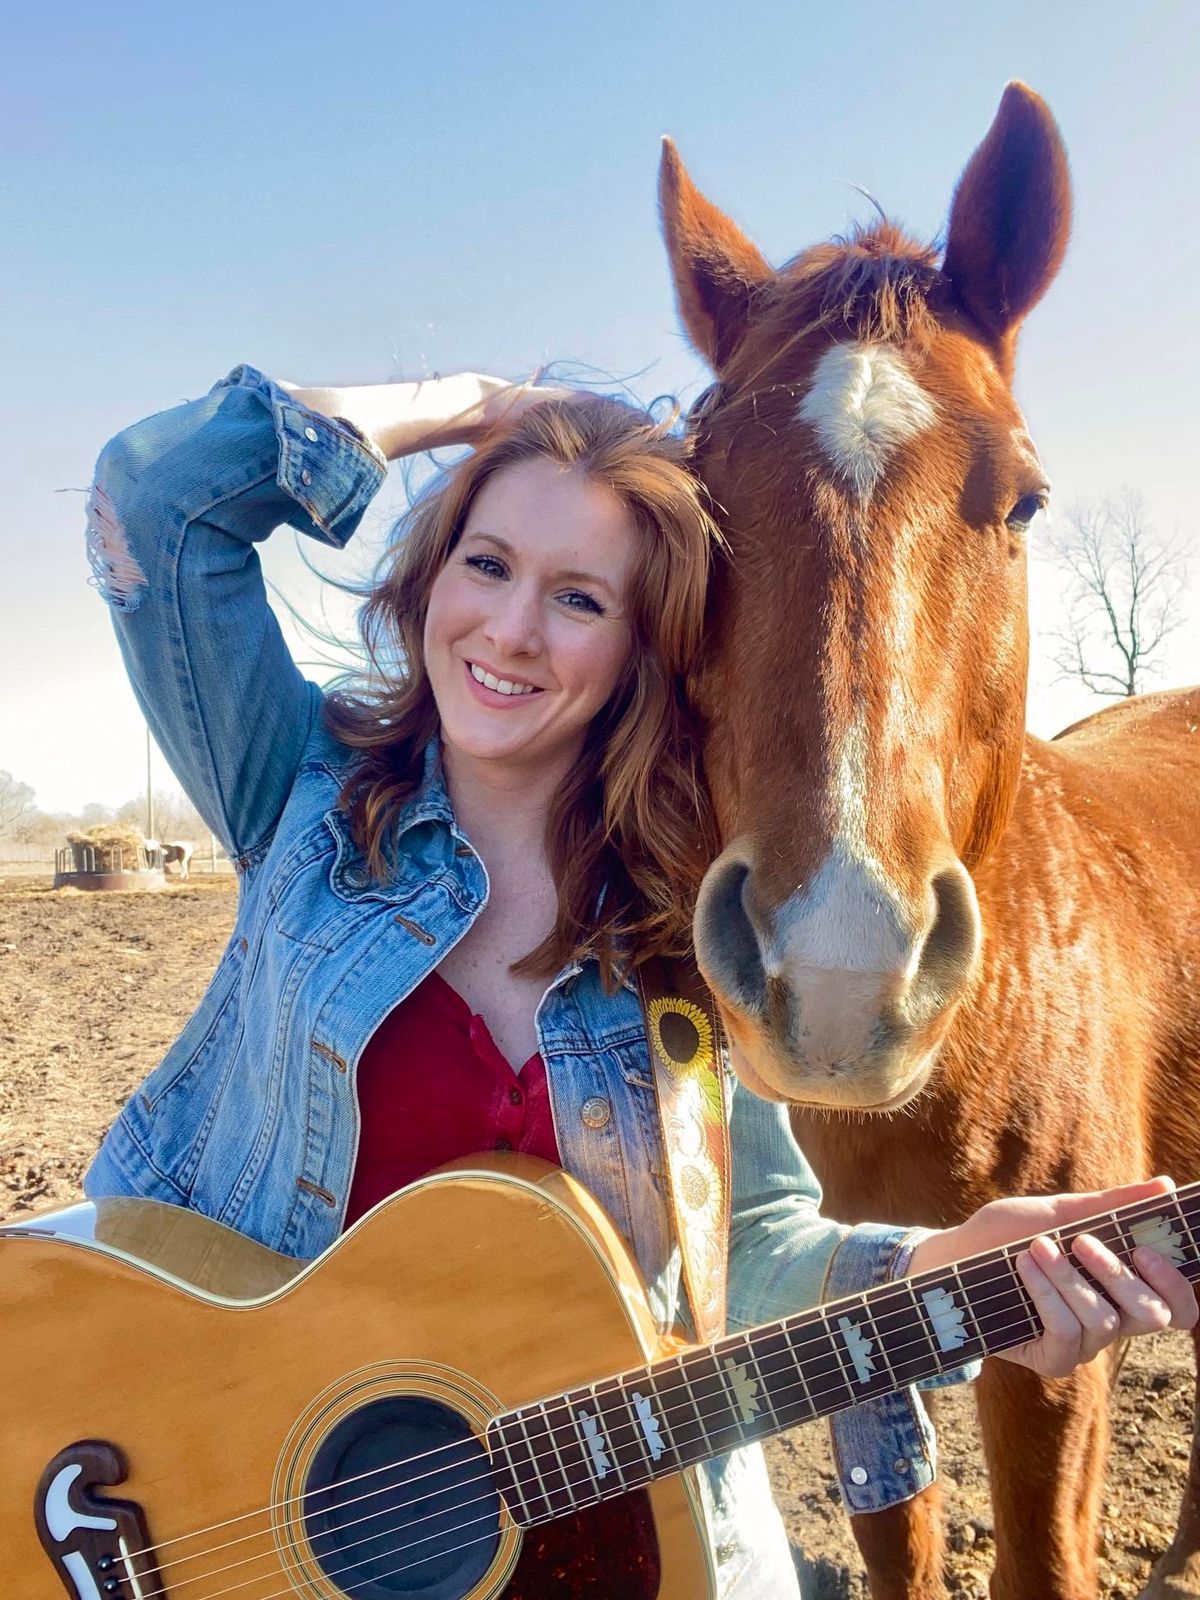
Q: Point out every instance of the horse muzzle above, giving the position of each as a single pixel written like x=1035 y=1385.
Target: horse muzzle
x=841 y=995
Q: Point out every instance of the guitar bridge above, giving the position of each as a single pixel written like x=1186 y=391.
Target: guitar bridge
x=100 y=1548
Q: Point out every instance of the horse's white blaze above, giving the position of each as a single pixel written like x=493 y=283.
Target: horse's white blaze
x=863 y=403
x=846 y=918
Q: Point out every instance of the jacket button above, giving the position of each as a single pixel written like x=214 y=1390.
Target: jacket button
x=859 y=1475
x=311 y=435
x=595 y=1112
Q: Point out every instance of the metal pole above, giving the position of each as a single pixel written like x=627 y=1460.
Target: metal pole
x=149 y=791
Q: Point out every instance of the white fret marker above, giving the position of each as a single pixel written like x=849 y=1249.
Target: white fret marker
x=946 y=1317
x=745 y=1389
x=859 y=1348
x=595 y=1443
x=651 y=1426
x=1159 y=1233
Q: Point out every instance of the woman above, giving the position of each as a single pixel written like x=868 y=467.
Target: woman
x=499 y=825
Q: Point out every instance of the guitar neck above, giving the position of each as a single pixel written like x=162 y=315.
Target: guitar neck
x=572 y=1449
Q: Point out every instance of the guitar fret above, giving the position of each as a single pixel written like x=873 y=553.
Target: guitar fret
x=784 y=1384
x=904 y=1333
x=555 y=1486
x=647 y=1411
x=707 y=1383
x=822 y=1368
x=1188 y=1218
x=764 y=1388
x=687 y=1384
x=533 y=1458
x=592 y=1443
x=569 y=1449
x=508 y=1476
x=798 y=1363
x=744 y=1389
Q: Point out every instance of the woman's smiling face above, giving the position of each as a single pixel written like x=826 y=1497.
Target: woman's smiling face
x=527 y=632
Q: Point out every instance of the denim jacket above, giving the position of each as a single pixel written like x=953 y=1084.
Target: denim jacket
x=252 y=1118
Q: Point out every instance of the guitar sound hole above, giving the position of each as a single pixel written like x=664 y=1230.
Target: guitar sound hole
x=387 y=1517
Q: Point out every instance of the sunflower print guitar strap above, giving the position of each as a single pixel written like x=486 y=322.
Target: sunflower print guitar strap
x=685 y=1049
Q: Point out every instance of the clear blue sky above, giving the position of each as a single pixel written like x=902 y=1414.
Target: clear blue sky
x=381 y=191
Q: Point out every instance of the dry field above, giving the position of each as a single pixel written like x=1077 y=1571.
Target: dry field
x=94 y=987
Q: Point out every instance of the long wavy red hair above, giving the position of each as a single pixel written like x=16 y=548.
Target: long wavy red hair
x=630 y=832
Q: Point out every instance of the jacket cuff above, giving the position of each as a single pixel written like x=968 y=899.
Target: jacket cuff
x=327 y=468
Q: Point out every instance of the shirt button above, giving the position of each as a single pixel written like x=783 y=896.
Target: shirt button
x=902 y=1465
x=858 y=1475
x=306 y=476
x=514 y=1096
x=311 y=435
x=503 y=1144
x=595 y=1112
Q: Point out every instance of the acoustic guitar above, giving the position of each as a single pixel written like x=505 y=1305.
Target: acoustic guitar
x=464 y=1398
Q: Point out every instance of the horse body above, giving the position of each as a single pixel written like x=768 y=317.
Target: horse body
x=178 y=852
x=966 y=956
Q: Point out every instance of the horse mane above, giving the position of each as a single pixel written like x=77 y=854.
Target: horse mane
x=875 y=284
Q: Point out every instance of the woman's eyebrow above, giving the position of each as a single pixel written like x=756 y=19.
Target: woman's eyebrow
x=562 y=574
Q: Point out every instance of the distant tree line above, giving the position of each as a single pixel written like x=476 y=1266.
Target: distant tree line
x=22 y=822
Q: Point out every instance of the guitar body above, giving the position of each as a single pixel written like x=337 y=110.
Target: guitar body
x=474 y=1291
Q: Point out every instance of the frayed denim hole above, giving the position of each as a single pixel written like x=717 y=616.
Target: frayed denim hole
x=116 y=572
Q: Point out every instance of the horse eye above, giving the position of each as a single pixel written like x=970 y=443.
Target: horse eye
x=1023 y=513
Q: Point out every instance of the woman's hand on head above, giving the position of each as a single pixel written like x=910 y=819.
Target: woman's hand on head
x=501 y=403
x=1079 y=1321
x=404 y=418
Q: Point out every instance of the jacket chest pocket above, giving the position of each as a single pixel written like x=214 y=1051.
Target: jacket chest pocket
x=301 y=905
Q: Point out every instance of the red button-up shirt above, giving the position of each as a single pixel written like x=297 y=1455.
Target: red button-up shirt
x=432 y=1085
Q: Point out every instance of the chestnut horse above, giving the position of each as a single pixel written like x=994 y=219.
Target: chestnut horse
x=968 y=957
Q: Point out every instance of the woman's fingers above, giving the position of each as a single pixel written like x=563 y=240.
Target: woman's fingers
x=1081 y=1319
x=1078 y=1321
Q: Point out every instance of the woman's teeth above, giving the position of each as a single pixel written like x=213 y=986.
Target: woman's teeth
x=501 y=685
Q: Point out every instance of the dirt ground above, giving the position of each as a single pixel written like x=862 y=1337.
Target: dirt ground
x=93 y=987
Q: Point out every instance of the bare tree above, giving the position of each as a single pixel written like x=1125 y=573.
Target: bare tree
x=1125 y=594
x=16 y=799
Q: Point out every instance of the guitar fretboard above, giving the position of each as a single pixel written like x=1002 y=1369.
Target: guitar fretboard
x=570 y=1450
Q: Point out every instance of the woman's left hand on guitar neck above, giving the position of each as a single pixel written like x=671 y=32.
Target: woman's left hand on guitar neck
x=1079 y=1321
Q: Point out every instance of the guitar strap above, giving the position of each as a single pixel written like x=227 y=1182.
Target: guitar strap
x=685 y=1038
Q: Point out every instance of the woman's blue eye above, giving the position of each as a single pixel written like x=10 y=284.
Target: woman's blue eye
x=488 y=565
x=578 y=601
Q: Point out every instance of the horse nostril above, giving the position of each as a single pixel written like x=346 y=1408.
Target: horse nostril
x=950 y=949
x=726 y=942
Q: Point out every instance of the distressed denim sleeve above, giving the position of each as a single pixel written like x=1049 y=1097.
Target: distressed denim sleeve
x=178 y=504
x=784 y=1257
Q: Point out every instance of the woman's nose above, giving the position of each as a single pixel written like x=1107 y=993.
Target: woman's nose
x=515 y=624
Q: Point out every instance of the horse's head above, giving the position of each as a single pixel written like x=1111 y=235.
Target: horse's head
x=863 y=683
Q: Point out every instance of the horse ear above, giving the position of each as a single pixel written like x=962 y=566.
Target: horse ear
x=716 y=268
x=1011 y=216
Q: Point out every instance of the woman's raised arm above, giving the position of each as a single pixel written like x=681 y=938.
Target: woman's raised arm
x=178 y=504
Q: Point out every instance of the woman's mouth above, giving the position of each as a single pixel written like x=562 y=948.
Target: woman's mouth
x=507 y=688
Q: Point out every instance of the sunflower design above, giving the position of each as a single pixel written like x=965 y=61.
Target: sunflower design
x=681 y=1035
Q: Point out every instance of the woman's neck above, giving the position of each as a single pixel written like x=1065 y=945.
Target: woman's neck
x=502 y=810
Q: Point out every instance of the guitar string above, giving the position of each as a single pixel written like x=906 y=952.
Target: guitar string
x=816 y=1336
x=614 y=1431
